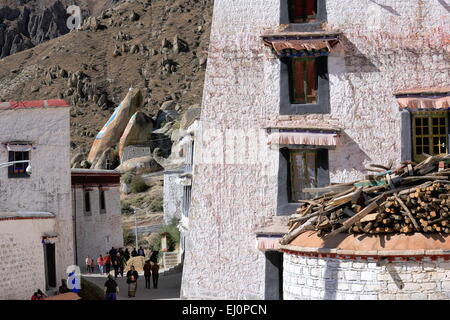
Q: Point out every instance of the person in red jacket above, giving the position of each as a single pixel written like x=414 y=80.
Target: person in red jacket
x=107 y=263
x=100 y=263
x=38 y=295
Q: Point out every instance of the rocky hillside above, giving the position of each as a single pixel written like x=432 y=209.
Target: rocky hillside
x=27 y=23
x=156 y=45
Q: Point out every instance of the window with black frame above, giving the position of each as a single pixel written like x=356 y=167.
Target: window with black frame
x=430 y=134
x=303 y=173
x=18 y=170
x=87 y=203
x=304 y=78
x=102 y=201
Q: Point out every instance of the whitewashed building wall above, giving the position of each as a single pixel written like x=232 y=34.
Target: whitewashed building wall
x=98 y=232
x=394 y=45
x=314 y=278
x=46 y=190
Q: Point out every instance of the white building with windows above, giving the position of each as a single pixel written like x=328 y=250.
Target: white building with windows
x=36 y=229
x=97 y=212
x=178 y=181
x=299 y=94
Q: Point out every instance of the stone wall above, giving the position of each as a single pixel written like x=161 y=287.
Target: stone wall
x=22 y=259
x=317 y=278
x=390 y=45
x=97 y=233
x=48 y=187
x=131 y=152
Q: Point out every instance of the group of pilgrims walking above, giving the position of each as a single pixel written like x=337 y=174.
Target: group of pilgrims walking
x=117 y=260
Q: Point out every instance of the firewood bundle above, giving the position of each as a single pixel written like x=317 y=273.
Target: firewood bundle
x=412 y=198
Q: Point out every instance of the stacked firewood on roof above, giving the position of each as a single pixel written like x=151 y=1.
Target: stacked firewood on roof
x=412 y=198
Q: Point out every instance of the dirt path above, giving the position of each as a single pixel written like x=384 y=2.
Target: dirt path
x=168 y=287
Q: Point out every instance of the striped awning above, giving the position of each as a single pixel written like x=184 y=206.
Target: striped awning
x=299 y=45
x=424 y=103
x=424 y=99
x=301 y=42
x=268 y=243
x=304 y=138
x=19 y=147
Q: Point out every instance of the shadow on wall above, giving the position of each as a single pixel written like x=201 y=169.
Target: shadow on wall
x=351 y=156
x=355 y=60
x=331 y=282
x=445 y=5
x=388 y=8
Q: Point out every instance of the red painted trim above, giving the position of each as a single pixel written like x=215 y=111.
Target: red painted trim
x=53 y=103
x=27 y=218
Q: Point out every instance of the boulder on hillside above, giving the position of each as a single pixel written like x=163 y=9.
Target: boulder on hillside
x=180 y=45
x=76 y=160
x=85 y=164
x=192 y=114
x=168 y=105
x=113 y=130
x=137 y=132
x=106 y=161
x=137 y=262
x=147 y=164
x=165 y=116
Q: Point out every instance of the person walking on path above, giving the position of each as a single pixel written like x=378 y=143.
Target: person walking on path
x=113 y=254
x=111 y=288
x=100 y=264
x=115 y=264
x=141 y=252
x=134 y=253
x=88 y=264
x=107 y=263
x=122 y=265
x=154 y=256
x=155 y=274
x=126 y=254
x=132 y=277
x=147 y=273
x=92 y=265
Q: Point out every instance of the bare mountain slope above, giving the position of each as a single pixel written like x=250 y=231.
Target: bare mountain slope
x=156 y=45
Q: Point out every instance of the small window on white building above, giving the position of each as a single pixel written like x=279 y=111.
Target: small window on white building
x=109 y=164
x=303 y=173
x=102 y=202
x=18 y=170
x=87 y=203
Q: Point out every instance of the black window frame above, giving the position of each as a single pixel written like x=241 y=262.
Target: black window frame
x=87 y=203
x=285 y=17
x=322 y=105
x=11 y=169
x=293 y=79
x=102 y=201
x=285 y=206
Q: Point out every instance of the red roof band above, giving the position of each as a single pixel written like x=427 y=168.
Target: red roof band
x=14 y=105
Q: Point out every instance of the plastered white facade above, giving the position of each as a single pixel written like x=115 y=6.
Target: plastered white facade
x=173 y=196
x=307 y=278
x=46 y=190
x=98 y=232
x=22 y=262
x=390 y=45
